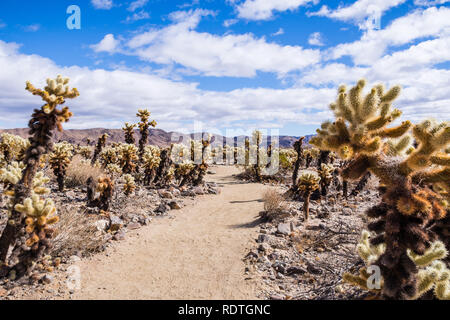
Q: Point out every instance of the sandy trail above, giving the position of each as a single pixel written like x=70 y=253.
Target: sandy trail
x=196 y=255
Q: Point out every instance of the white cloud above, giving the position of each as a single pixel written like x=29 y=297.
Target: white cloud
x=264 y=9
x=141 y=15
x=109 y=98
x=213 y=55
x=229 y=22
x=359 y=11
x=108 y=44
x=278 y=33
x=137 y=5
x=102 y=4
x=427 y=3
x=316 y=39
x=419 y=24
x=32 y=28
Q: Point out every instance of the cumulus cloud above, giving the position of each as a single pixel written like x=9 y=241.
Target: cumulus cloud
x=107 y=44
x=137 y=5
x=360 y=12
x=419 y=24
x=141 y=15
x=102 y=4
x=212 y=55
x=278 y=33
x=32 y=28
x=315 y=39
x=428 y=3
x=108 y=98
x=264 y=9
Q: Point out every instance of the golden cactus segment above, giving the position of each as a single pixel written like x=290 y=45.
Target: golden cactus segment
x=129 y=184
x=13 y=147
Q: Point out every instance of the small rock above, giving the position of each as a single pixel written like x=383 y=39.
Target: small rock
x=119 y=236
x=133 y=226
x=262 y=238
x=263 y=247
x=284 y=228
x=115 y=222
x=47 y=279
x=176 y=193
x=188 y=193
x=211 y=172
x=162 y=208
x=295 y=270
x=3 y=292
x=166 y=195
x=174 y=205
x=102 y=225
x=276 y=297
x=198 y=191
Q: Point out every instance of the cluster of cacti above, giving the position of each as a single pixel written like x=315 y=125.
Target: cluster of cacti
x=12 y=147
x=101 y=143
x=128 y=157
x=59 y=160
x=308 y=182
x=309 y=155
x=43 y=122
x=144 y=126
x=410 y=202
x=287 y=160
x=129 y=184
x=128 y=130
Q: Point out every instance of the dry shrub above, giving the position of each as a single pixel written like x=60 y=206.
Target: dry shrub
x=76 y=233
x=79 y=171
x=274 y=205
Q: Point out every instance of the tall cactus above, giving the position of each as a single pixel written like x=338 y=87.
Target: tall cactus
x=101 y=143
x=59 y=160
x=298 y=147
x=128 y=129
x=144 y=126
x=42 y=124
x=360 y=133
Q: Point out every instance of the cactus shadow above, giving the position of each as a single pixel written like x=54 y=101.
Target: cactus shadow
x=247 y=201
x=248 y=225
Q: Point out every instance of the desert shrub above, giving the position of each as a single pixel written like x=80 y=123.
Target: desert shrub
x=274 y=205
x=75 y=233
x=79 y=171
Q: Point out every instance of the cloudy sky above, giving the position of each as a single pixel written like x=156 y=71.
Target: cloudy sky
x=239 y=64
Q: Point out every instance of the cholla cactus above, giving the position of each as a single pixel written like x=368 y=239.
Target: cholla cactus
x=84 y=151
x=309 y=155
x=101 y=143
x=144 y=126
x=128 y=158
x=41 y=125
x=110 y=155
x=105 y=186
x=298 y=147
x=59 y=160
x=326 y=176
x=257 y=139
x=150 y=162
x=129 y=184
x=13 y=147
x=432 y=272
x=183 y=170
x=128 y=129
x=408 y=205
x=308 y=182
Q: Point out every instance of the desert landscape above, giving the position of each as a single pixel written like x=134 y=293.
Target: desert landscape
x=357 y=209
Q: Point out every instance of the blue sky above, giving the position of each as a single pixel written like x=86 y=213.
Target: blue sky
x=224 y=64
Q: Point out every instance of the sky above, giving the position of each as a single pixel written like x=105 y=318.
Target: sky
x=223 y=66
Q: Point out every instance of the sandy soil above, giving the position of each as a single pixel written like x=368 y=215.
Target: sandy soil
x=196 y=255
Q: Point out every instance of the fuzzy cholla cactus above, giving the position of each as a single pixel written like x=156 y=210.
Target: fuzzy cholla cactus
x=150 y=161
x=433 y=276
x=128 y=129
x=129 y=184
x=257 y=137
x=326 y=177
x=309 y=155
x=105 y=187
x=128 y=157
x=84 y=151
x=101 y=143
x=13 y=147
x=410 y=202
x=42 y=124
x=110 y=155
x=144 y=126
x=308 y=182
x=59 y=160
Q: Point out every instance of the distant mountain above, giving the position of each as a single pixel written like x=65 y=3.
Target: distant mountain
x=157 y=137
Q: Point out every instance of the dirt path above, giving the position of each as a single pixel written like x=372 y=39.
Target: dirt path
x=196 y=255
